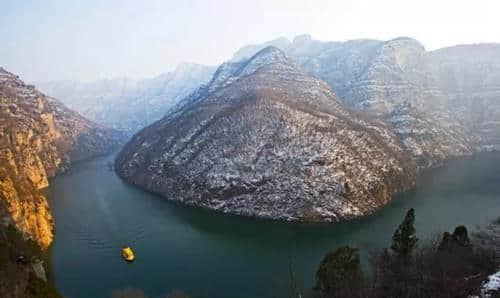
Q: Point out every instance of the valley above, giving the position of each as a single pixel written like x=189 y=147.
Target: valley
x=242 y=169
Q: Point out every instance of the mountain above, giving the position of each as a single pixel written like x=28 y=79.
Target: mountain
x=39 y=137
x=129 y=105
x=265 y=139
x=442 y=103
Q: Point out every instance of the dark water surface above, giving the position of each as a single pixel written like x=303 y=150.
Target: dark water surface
x=206 y=254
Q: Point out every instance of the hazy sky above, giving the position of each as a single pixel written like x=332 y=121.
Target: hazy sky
x=91 y=39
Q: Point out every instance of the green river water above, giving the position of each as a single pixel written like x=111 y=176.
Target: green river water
x=206 y=254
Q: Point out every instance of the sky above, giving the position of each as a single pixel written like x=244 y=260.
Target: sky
x=87 y=40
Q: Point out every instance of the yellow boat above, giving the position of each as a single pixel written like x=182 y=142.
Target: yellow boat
x=128 y=254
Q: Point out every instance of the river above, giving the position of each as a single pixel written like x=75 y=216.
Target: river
x=207 y=254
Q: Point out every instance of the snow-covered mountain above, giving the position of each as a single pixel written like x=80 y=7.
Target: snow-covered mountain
x=267 y=136
x=441 y=103
x=126 y=104
x=268 y=140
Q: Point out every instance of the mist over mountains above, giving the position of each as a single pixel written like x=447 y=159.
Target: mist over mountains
x=125 y=104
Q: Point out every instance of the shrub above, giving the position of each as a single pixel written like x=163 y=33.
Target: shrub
x=339 y=272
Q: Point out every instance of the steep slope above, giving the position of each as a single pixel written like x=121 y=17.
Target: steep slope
x=265 y=139
x=453 y=93
x=39 y=137
x=126 y=104
x=442 y=104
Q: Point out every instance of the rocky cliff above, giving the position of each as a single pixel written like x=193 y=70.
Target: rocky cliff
x=125 y=104
x=265 y=139
x=466 y=79
x=39 y=137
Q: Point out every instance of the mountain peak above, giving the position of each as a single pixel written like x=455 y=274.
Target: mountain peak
x=230 y=71
x=270 y=54
x=250 y=50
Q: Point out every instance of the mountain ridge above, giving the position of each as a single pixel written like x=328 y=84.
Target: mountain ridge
x=381 y=77
x=418 y=99
x=264 y=101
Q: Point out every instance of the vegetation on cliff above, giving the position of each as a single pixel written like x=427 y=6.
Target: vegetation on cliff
x=22 y=273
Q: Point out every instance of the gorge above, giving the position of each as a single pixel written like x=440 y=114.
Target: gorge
x=39 y=138
x=301 y=130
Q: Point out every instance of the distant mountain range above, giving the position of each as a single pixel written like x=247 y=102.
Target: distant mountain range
x=126 y=104
x=267 y=136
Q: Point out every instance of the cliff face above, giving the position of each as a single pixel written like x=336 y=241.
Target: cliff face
x=265 y=139
x=467 y=81
x=39 y=137
x=390 y=79
x=126 y=104
x=441 y=104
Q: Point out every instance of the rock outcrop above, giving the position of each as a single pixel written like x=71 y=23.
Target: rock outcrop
x=129 y=105
x=265 y=139
x=39 y=137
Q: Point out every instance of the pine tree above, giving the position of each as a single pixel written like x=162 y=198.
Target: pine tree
x=404 y=238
